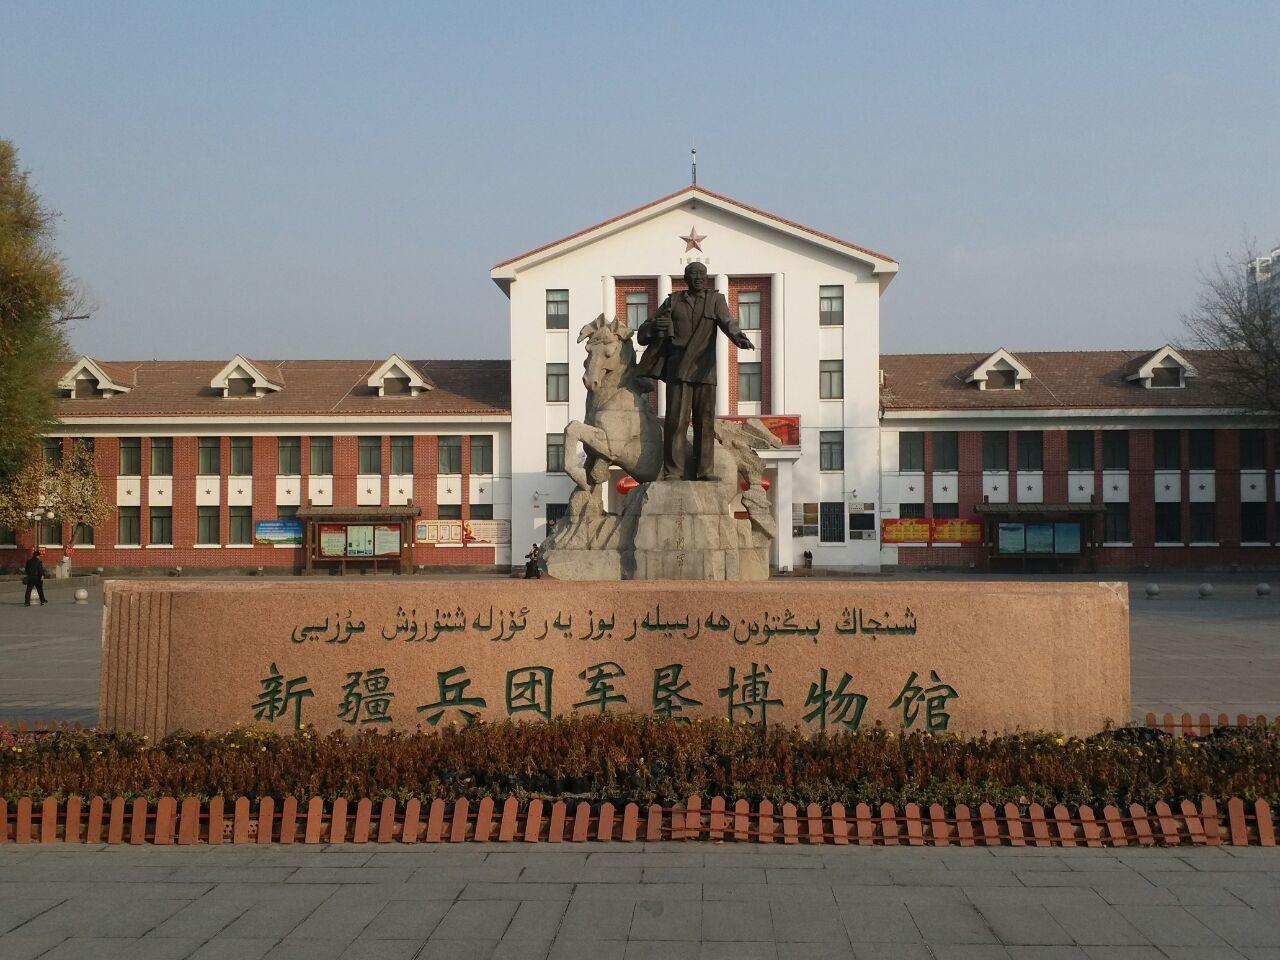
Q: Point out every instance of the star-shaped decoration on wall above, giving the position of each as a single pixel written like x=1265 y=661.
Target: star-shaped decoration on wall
x=693 y=241
x=129 y=493
x=1079 y=486
x=287 y=490
x=1028 y=488
x=207 y=491
x=912 y=489
x=1116 y=486
x=945 y=488
x=1167 y=487
x=239 y=490
x=1253 y=486
x=1202 y=486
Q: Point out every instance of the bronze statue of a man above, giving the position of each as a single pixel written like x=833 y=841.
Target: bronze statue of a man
x=680 y=342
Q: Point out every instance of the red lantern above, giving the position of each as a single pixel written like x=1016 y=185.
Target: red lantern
x=626 y=485
x=763 y=483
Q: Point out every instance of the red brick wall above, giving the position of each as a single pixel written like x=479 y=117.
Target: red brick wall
x=627 y=285
x=762 y=339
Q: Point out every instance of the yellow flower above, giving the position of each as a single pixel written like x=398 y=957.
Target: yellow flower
x=1059 y=741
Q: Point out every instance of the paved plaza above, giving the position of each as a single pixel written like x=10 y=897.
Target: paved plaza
x=638 y=902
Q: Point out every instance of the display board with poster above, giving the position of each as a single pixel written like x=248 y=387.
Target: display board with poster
x=278 y=533
x=904 y=530
x=333 y=539
x=386 y=540
x=1011 y=538
x=1039 y=537
x=360 y=540
x=955 y=531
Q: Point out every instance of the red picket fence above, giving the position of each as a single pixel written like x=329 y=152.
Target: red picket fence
x=191 y=821
x=1187 y=726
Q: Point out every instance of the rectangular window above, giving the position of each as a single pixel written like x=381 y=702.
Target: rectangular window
x=242 y=456
x=946 y=511
x=50 y=533
x=450 y=456
x=481 y=511
x=322 y=456
x=1203 y=527
x=1253 y=450
x=1168 y=523
x=1168 y=450
x=1079 y=449
x=831 y=307
x=557 y=309
x=831 y=450
x=1116 y=523
x=161 y=525
x=637 y=308
x=82 y=536
x=1166 y=377
x=555 y=513
x=946 y=451
x=831 y=523
x=557 y=383
x=481 y=453
x=911 y=511
x=370 y=449
x=209 y=456
x=162 y=456
x=831 y=379
x=995 y=450
x=1115 y=450
x=555 y=453
x=287 y=513
x=749 y=309
x=804 y=519
x=130 y=457
x=450 y=511
x=1030 y=448
x=1200 y=449
x=240 y=528
x=910 y=452
x=1253 y=522
x=290 y=457
x=402 y=455
x=127 y=526
x=207 y=532
x=8 y=538
x=748 y=383
x=51 y=448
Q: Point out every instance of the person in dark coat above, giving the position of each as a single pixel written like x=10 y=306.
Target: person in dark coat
x=35 y=577
x=531 y=571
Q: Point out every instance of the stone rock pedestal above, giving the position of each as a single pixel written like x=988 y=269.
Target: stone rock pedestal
x=668 y=530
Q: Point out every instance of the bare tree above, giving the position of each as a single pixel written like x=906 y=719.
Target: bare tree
x=1237 y=319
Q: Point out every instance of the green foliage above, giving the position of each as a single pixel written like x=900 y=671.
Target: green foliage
x=623 y=758
x=35 y=295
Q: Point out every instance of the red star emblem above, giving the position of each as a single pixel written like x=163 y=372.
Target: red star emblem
x=693 y=241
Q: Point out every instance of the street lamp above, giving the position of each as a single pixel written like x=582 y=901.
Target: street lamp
x=35 y=517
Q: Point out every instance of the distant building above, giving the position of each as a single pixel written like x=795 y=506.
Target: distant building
x=1265 y=272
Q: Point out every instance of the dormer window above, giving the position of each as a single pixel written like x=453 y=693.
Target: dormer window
x=239 y=387
x=241 y=378
x=396 y=377
x=1166 y=377
x=1002 y=380
x=1000 y=371
x=1165 y=369
x=86 y=388
x=86 y=380
x=395 y=386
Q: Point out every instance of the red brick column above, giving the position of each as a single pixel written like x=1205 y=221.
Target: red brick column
x=1097 y=470
x=1226 y=486
x=1012 y=451
x=224 y=508
x=1055 y=466
x=466 y=476
x=185 y=515
x=346 y=462
x=144 y=499
x=106 y=460
x=266 y=464
x=1184 y=459
x=304 y=468
x=426 y=463
x=1142 y=489
x=385 y=466
x=928 y=473
x=969 y=481
x=762 y=337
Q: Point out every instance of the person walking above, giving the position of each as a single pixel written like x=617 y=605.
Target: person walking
x=531 y=571
x=35 y=577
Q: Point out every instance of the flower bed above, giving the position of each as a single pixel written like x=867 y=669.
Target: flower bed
x=633 y=759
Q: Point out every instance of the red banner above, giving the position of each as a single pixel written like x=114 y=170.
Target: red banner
x=920 y=530
x=913 y=530
x=957 y=531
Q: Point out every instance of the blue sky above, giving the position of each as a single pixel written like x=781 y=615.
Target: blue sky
x=330 y=180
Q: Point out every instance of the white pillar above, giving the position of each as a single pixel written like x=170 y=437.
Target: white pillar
x=782 y=494
x=608 y=298
x=722 y=355
x=777 y=329
x=664 y=291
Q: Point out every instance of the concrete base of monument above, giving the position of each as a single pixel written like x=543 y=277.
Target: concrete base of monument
x=668 y=530
x=929 y=656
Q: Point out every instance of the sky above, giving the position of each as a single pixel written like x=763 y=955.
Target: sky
x=322 y=180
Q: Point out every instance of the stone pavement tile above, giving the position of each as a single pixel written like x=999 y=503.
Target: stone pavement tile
x=982 y=897
x=277 y=911
x=1077 y=878
x=382 y=950
x=121 y=948
x=578 y=873
x=969 y=951
x=596 y=920
x=536 y=920
x=835 y=950
x=417 y=890
x=1023 y=924
x=770 y=860
x=85 y=869
x=716 y=874
x=737 y=921
x=458 y=950
x=942 y=923
x=475 y=920
x=891 y=951
x=342 y=917
x=807 y=923
x=1261 y=953
x=232 y=948
x=632 y=859
x=299 y=948
x=842 y=874
x=224 y=873
x=1096 y=924
x=27 y=948
x=1240 y=926
x=75 y=918
x=655 y=920
x=327 y=874
x=495 y=871
x=942 y=877
x=298 y=855
x=770 y=892
x=586 y=950
x=15 y=912
x=1045 y=952
x=1118 y=952
x=522 y=950
x=1215 y=878
x=405 y=920
x=740 y=950
x=662 y=950
x=44 y=890
x=206 y=917
x=431 y=855
x=1203 y=953
x=630 y=892
x=879 y=923
x=520 y=890
x=855 y=893
x=1260 y=898
x=1167 y=926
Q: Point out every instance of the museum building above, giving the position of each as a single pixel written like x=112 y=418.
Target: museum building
x=1065 y=460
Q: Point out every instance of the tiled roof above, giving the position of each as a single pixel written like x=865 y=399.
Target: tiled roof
x=703 y=191
x=308 y=387
x=1096 y=378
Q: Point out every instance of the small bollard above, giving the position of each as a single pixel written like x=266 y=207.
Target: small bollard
x=259 y=571
x=82 y=595
x=1205 y=590
x=177 y=571
x=1263 y=590
x=1153 y=590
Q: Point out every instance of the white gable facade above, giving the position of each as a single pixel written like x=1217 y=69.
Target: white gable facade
x=790 y=268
